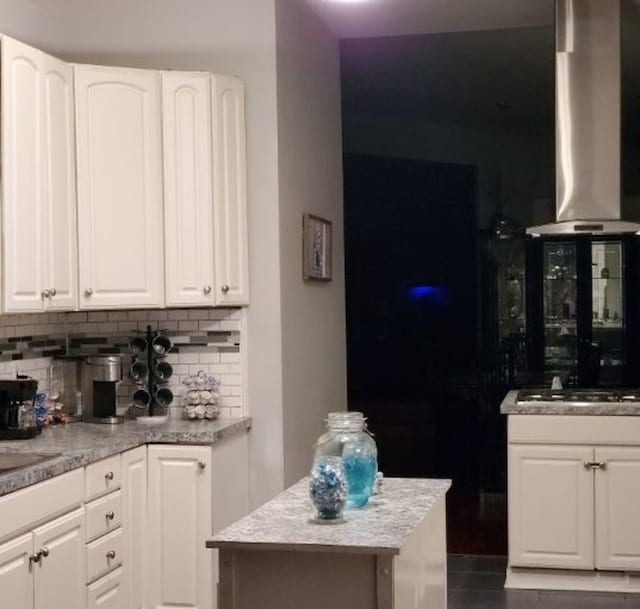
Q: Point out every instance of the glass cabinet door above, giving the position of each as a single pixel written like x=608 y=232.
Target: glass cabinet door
x=559 y=306
x=608 y=315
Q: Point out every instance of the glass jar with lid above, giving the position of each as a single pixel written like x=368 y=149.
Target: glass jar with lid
x=347 y=437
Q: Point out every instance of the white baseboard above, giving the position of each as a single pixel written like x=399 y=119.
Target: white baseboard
x=563 y=579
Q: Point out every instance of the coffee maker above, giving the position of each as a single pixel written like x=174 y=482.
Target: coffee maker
x=100 y=377
x=17 y=413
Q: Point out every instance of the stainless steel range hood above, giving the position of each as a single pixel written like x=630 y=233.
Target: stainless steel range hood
x=587 y=120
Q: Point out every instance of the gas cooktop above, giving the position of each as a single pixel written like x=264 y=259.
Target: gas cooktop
x=579 y=396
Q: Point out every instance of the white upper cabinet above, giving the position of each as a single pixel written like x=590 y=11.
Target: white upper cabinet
x=119 y=150
x=188 y=198
x=38 y=188
x=230 y=191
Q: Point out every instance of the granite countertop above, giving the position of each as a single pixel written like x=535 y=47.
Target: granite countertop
x=509 y=406
x=82 y=443
x=381 y=527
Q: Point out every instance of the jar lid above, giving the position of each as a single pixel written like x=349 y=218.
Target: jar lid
x=346 y=419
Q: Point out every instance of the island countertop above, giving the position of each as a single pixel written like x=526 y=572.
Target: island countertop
x=78 y=444
x=381 y=527
x=510 y=406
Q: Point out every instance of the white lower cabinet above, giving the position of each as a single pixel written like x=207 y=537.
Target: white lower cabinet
x=550 y=506
x=140 y=544
x=194 y=491
x=617 y=492
x=45 y=568
x=574 y=492
x=181 y=569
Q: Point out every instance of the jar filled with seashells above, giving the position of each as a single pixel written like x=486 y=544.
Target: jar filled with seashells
x=201 y=398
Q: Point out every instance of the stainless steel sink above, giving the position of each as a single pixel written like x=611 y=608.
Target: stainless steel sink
x=15 y=460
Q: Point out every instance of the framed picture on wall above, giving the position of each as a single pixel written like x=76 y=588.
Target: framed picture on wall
x=316 y=247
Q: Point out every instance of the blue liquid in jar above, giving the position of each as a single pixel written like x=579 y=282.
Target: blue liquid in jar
x=361 y=472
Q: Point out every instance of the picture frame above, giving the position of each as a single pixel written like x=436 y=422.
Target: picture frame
x=316 y=248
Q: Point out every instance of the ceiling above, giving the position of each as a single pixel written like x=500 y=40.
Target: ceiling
x=461 y=61
x=367 y=18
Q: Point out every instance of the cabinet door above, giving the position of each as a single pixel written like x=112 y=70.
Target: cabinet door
x=63 y=540
x=618 y=508
x=108 y=592
x=134 y=526
x=59 y=186
x=550 y=506
x=119 y=187
x=188 y=199
x=16 y=581
x=38 y=199
x=180 y=567
x=230 y=191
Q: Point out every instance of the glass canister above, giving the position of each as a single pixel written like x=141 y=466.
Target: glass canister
x=347 y=437
x=328 y=488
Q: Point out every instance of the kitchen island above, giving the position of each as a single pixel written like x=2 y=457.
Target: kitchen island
x=391 y=553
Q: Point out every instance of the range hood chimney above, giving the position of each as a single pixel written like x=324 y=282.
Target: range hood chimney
x=587 y=120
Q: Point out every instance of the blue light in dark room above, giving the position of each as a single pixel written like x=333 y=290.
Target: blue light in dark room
x=436 y=294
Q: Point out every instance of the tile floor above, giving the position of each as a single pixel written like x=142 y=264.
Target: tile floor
x=476 y=582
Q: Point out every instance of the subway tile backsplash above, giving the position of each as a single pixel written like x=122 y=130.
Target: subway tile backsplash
x=203 y=339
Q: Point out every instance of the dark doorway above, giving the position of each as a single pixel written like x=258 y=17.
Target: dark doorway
x=412 y=248
x=410 y=233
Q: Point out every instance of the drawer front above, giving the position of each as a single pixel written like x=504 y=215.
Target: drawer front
x=102 y=477
x=104 y=555
x=104 y=515
x=107 y=592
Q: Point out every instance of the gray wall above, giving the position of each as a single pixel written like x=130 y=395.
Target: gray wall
x=310 y=179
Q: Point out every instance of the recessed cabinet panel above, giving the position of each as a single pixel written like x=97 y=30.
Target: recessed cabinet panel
x=230 y=191
x=186 y=120
x=16 y=582
x=38 y=187
x=59 y=188
x=119 y=187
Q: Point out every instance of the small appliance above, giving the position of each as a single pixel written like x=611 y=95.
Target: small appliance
x=100 y=377
x=17 y=412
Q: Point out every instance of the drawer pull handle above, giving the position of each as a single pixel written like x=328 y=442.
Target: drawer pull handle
x=88 y=292
x=35 y=558
x=53 y=291
x=111 y=554
x=595 y=464
x=207 y=289
x=46 y=293
x=110 y=515
x=44 y=552
x=225 y=288
x=202 y=464
x=109 y=476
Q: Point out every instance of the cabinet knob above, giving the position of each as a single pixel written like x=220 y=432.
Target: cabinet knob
x=111 y=554
x=207 y=289
x=202 y=464
x=108 y=476
x=224 y=288
x=53 y=291
x=110 y=515
x=45 y=552
x=88 y=292
x=34 y=558
x=46 y=293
